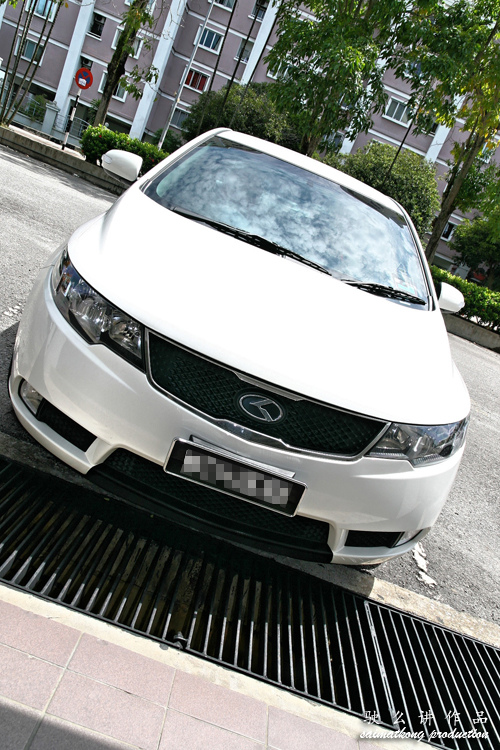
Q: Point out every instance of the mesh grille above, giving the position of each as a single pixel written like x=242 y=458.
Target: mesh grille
x=215 y=390
x=235 y=518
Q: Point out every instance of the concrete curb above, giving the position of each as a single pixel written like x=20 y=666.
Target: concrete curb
x=472 y=332
x=68 y=161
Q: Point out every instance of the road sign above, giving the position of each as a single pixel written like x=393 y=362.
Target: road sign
x=84 y=78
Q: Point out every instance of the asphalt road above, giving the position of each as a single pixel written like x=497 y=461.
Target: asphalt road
x=40 y=207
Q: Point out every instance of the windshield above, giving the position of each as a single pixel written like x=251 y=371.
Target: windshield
x=351 y=236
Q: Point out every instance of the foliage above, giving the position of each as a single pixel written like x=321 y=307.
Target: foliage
x=450 y=54
x=411 y=182
x=92 y=110
x=480 y=189
x=248 y=109
x=329 y=69
x=481 y=304
x=98 y=139
x=171 y=142
x=138 y=76
x=475 y=244
x=489 y=200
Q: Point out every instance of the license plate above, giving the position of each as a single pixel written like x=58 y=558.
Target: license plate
x=221 y=472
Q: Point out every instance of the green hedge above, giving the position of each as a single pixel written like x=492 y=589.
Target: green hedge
x=99 y=139
x=481 y=304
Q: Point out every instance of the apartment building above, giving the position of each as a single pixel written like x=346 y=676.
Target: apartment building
x=206 y=44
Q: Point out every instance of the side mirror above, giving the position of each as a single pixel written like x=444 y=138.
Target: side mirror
x=122 y=164
x=450 y=300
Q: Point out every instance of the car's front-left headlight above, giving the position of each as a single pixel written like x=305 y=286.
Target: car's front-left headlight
x=96 y=319
x=421 y=444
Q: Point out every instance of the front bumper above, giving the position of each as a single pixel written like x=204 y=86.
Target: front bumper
x=121 y=411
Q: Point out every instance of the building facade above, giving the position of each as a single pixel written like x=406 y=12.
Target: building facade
x=193 y=45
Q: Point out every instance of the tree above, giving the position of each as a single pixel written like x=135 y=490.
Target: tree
x=11 y=99
x=412 y=180
x=247 y=109
x=452 y=52
x=329 y=68
x=135 y=16
x=478 y=245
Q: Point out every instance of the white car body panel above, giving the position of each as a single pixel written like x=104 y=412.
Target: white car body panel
x=280 y=323
x=277 y=304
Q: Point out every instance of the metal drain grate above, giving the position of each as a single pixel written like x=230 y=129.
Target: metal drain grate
x=252 y=614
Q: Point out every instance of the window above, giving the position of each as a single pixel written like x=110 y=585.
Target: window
x=196 y=80
x=225 y=3
x=178 y=118
x=448 y=231
x=244 y=51
x=120 y=91
x=210 y=40
x=44 y=8
x=28 y=50
x=85 y=62
x=97 y=25
x=486 y=153
x=398 y=111
x=259 y=9
x=136 y=46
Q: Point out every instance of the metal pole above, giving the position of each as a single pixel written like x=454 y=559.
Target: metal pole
x=70 y=120
x=183 y=79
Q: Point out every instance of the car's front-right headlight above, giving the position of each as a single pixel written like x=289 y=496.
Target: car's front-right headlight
x=421 y=444
x=96 y=319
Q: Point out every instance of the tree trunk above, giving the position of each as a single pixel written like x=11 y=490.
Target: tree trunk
x=471 y=149
x=116 y=67
x=32 y=66
x=491 y=276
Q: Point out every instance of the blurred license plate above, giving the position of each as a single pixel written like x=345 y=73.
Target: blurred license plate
x=221 y=472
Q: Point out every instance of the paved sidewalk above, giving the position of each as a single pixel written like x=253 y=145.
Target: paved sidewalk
x=69 y=682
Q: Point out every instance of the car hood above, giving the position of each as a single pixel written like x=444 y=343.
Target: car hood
x=272 y=318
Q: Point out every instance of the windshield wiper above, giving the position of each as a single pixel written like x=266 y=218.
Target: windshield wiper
x=385 y=291
x=252 y=239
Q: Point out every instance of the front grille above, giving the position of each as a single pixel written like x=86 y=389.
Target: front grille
x=197 y=506
x=372 y=538
x=64 y=426
x=215 y=391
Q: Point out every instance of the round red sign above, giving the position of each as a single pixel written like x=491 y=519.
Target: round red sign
x=84 y=78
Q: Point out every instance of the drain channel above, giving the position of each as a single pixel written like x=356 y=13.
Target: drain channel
x=251 y=614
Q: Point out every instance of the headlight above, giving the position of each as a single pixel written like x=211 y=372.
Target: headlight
x=421 y=444
x=96 y=319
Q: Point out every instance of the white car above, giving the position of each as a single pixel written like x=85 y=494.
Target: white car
x=250 y=343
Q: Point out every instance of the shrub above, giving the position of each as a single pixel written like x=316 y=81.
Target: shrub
x=97 y=140
x=248 y=109
x=171 y=142
x=481 y=304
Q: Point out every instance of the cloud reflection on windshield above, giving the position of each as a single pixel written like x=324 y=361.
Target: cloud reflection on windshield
x=296 y=209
